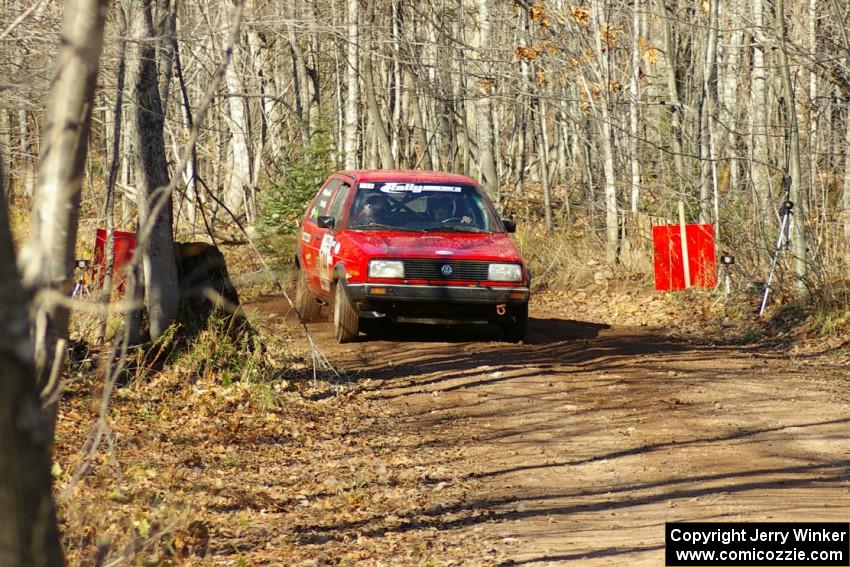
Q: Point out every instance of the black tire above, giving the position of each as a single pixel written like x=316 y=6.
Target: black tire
x=373 y=327
x=305 y=302
x=515 y=329
x=346 y=320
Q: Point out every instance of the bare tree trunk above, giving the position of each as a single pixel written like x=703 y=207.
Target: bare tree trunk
x=730 y=103
x=634 y=101
x=352 y=101
x=47 y=258
x=543 y=156
x=845 y=199
x=26 y=167
x=497 y=150
x=812 y=23
x=109 y=201
x=522 y=114
x=676 y=108
x=434 y=126
x=162 y=294
x=28 y=529
x=302 y=87
x=606 y=139
x=165 y=50
x=240 y=170
x=256 y=120
x=312 y=62
x=798 y=192
x=421 y=140
x=338 y=88
x=486 y=139
x=379 y=128
x=398 y=87
x=708 y=177
x=193 y=197
x=29 y=534
x=522 y=135
x=758 y=120
x=272 y=112
x=129 y=150
x=5 y=150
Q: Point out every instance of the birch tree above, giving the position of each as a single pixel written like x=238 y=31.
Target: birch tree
x=634 y=104
x=240 y=179
x=730 y=104
x=758 y=119
x=485 y=138
x=606 y=137
x=28 y=528
x=5 y=149
x=708 y=168
x=352 y=100
x=47 y=258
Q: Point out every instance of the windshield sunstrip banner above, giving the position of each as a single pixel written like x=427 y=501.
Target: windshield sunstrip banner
x=411 y=187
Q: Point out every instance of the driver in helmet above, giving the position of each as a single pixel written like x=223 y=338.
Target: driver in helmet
x=442 y=209
x=376 y=209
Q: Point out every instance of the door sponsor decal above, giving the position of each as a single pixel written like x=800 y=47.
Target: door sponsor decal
x=326 y=260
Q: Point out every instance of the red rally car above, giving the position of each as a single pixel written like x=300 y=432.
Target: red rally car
x=409 y=246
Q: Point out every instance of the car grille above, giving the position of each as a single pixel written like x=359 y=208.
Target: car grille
x=433 y=270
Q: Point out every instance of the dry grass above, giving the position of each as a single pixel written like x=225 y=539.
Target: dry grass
x=568 y=260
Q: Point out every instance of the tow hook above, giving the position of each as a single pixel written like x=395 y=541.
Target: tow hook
x=501 y=309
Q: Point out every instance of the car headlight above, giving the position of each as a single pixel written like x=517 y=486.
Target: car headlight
x=386 y=269
x=504 y=272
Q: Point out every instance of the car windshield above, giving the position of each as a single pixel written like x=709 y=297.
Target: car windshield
x=428 y=207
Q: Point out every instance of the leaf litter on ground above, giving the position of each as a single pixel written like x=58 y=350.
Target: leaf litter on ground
x=291 y=471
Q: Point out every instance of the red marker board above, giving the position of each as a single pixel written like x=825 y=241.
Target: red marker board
x=125 y=244
x=669 y=267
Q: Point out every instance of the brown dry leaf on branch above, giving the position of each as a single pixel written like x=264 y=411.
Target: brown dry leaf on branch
x=538 y=14
x=580 y=15
x=527 y=54
x=611 y=35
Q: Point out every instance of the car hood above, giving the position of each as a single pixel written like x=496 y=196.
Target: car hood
x=479 y=246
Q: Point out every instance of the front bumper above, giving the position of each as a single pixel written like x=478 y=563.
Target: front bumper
x=437 y=301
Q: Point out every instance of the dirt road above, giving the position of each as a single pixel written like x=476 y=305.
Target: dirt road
x=580 y=445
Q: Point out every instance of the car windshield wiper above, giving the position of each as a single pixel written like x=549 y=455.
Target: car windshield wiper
x=379 y=226
x=453 y=229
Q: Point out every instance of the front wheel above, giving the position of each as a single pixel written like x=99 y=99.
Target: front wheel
x=346 y=320
x=305 y=302
x=515 y=329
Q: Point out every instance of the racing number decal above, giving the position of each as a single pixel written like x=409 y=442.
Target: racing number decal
x=326 y=261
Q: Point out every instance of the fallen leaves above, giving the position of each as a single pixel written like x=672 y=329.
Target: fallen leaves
x=213 y=471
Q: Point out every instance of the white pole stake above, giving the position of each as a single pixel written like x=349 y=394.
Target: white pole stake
x=683 y=234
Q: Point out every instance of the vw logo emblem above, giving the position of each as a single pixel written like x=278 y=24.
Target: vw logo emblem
x=446 y=270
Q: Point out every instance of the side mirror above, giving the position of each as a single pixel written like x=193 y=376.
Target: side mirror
x=325 y=222
x=509 y=224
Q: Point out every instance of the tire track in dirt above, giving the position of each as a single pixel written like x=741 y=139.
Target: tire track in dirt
x=585 y=441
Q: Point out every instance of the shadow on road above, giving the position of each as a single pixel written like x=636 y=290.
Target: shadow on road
x=602 y=499
x=540 y=331
x=417 y=351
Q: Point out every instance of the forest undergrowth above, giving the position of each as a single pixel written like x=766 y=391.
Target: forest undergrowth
x=228 y=450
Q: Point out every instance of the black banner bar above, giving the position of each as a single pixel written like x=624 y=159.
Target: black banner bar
x=762 y=544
